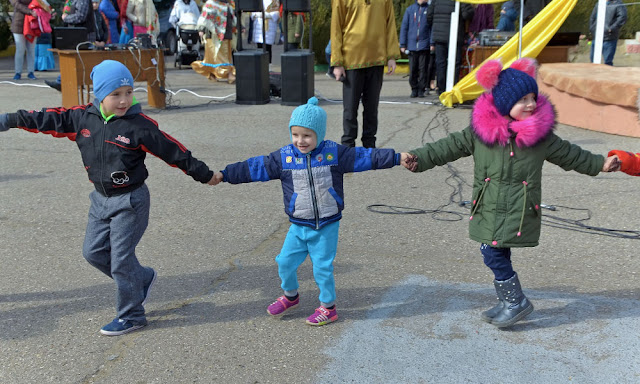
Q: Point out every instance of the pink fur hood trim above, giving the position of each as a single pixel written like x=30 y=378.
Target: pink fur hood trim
x=493 y=128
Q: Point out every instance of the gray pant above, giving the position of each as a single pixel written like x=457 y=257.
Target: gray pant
x=116 y=225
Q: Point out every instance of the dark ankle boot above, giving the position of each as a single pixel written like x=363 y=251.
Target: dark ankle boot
x=489 y=314
x=516 y=305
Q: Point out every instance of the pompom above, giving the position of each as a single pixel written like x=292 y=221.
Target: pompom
x=487 y=75
x=313 y=101
x=526 y=65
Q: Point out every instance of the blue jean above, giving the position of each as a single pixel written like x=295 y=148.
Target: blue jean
x=116 y=225
x=24 y=46
x=321 y=245
x=499 y=261
x=608 y=50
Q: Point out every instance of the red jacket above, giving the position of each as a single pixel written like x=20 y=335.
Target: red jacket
x=34 y=26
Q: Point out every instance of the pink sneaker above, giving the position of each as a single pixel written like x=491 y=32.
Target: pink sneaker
x=281 y=305
x=323 y=316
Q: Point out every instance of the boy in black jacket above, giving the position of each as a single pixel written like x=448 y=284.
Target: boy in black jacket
x=114 y=136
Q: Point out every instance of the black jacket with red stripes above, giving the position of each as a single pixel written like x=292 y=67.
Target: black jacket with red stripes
x=113 y=150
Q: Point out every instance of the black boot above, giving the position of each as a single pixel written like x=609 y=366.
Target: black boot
x=489 y=314
x=516 y=305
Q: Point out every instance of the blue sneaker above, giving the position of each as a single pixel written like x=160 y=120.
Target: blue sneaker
x=32 y=76
x=147 y=288
x=17 y=76
x=119 y=327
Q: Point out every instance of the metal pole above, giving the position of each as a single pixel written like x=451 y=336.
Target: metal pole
x=599 y=37
x=453 y=46
x=521 y=26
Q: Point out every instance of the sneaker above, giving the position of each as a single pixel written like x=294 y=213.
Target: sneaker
x=17 y=76
x=32 y=76
x=119 y=327
x=281 y=305
x=323 y=316
x=53 y=84
x=147 y=288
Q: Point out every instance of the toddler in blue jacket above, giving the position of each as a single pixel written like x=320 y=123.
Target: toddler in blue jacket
x=311 y=171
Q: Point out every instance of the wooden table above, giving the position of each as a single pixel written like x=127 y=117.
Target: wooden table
x=549 y=54
x=76 y=66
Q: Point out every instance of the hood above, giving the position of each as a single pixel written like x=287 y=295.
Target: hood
x=492 y=128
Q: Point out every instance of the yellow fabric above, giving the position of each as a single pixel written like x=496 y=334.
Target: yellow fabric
x=363 y=33
x=535 y=36
x=223 y=54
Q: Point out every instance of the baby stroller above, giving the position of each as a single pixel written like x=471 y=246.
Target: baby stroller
x=188 y=47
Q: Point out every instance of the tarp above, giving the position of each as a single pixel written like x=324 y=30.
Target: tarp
x=535 y=36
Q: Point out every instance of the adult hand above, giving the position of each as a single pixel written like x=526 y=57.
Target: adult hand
x=339 y=73
x=402 y=49
x=391 y=65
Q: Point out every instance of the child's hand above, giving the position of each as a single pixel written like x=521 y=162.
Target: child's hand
x=409 y=161
x=216 y=179
x=4 y=122
x=628 y=162
x=611 y=164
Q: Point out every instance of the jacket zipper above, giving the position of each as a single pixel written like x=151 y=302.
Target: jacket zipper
x=102 y=167
x=313 y=192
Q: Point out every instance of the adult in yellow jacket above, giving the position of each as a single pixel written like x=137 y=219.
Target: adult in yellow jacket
x=363 y=40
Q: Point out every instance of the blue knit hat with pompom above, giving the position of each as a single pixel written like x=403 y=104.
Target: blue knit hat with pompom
x=310 y=116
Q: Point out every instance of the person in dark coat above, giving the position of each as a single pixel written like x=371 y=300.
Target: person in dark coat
x=508 y=16
x=415 y=41
x=439 y=17
x=614 y=18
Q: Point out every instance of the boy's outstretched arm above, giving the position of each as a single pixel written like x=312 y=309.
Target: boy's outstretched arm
x=629 y=162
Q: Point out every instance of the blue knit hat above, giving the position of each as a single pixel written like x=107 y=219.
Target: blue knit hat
x=310 y=116
x=512 y=86
x=109 y=76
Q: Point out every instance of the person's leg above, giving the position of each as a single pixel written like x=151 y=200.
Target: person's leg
x=370 y=101
x=498 y=260
x=97 y=247
x=18 y=58
x=129 y=220
x=609 y=51
x=293 y=253
x=593 y=45
x=351 y=94
x=270 y=50
x=422 y=72
x=431 y=74
x=31 y=58
x=414 y=69
x=441 y=66
x=459 y=52
x=323 y=246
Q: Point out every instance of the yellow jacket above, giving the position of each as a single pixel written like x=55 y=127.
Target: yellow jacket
x=363 y=33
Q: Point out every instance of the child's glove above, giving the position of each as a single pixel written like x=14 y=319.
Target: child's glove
x=4 y=122
x=630 y=162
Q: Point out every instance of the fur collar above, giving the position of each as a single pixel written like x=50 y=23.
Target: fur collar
x=493 y=128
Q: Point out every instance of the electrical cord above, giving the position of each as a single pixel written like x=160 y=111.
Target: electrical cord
x=457 y=182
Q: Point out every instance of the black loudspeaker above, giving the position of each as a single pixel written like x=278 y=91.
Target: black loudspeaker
x=252 y=76
x=297 y=77
x=296 y=6
x=249 y=5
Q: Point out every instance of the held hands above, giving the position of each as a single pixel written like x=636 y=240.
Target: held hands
x=409 y=161
x=216 y=179
x=628 y=162
x=611 y=164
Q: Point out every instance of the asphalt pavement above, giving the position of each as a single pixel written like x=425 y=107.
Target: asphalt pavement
x=410 y=283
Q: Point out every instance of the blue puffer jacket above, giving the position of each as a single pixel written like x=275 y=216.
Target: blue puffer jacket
x=415 y=31
x=312 y=182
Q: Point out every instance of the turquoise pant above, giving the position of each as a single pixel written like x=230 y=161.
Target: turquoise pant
x=321 y=245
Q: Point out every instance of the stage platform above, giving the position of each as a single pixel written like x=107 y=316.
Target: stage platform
x=594 y=96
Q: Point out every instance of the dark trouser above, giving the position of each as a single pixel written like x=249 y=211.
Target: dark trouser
x=293 y=46
x=442 y=56
x=115 y=226
x=269 y=46
x=418 y=67
x=361 y=84
x=499 y=260
x=431 y=71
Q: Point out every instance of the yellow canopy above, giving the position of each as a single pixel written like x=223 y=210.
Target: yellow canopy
x=535 y=36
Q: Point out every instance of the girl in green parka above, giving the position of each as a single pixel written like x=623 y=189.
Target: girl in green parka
x=510 y=137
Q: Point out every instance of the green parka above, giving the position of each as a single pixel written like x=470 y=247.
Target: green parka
x=508 y=158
